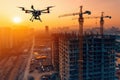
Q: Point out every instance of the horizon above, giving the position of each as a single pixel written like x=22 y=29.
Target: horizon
x=10 y=11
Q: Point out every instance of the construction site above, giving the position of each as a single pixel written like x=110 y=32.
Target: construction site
x=60 y=40
x=82 y=55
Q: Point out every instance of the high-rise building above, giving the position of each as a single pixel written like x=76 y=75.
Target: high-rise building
x=14 y=39
x=5 y=38
x=68 y=57
x=55 y=51
x=46 y=29
x=98 y=57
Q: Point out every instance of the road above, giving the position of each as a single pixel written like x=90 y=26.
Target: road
x=6 y=67
x=28 y=66
x=16 y=68
x=12 y=68
x=28 y=63
x=37 y=75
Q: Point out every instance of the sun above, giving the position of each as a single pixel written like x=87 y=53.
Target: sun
x=16 y=19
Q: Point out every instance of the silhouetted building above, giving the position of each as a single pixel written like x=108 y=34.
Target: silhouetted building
x=46 y=29
x=98 y=57
x=5 y=38
x=55 y=51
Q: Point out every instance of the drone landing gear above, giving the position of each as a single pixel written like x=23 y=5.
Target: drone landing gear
x=38 y=18
x=31 y=20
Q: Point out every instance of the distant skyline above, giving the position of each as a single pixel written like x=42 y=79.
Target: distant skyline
x=9 y=10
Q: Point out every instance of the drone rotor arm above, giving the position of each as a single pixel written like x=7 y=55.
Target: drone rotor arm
x=44 y=12
x=28 y=11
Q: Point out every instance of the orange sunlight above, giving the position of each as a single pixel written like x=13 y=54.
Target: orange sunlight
x=16 y=19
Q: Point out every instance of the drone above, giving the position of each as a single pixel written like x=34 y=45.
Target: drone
x=36 y=13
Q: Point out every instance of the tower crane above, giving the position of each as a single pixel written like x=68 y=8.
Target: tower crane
x=81 y=22
x=101 y=21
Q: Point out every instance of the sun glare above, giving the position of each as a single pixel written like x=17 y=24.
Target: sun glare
x=16 y=19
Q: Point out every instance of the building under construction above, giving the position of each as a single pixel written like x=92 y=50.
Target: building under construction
x=98 y=57
x=55 y=51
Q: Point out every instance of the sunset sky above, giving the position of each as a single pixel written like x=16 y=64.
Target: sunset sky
x=9 y=10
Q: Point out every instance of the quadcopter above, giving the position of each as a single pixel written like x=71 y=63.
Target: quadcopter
x=36 y=13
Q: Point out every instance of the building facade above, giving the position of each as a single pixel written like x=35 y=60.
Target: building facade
x=98 y=57
x=55 y=51
x=68 y=57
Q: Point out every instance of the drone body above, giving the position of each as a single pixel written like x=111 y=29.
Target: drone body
x=36 y=13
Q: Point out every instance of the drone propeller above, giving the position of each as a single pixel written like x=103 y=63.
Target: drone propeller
x=48 y=8
x=22 y=8
x=32 y=7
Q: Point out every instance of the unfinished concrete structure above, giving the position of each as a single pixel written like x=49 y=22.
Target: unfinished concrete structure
x=98 y=57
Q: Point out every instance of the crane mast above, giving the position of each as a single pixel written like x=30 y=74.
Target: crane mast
x=101 y=23
x=81 y=22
